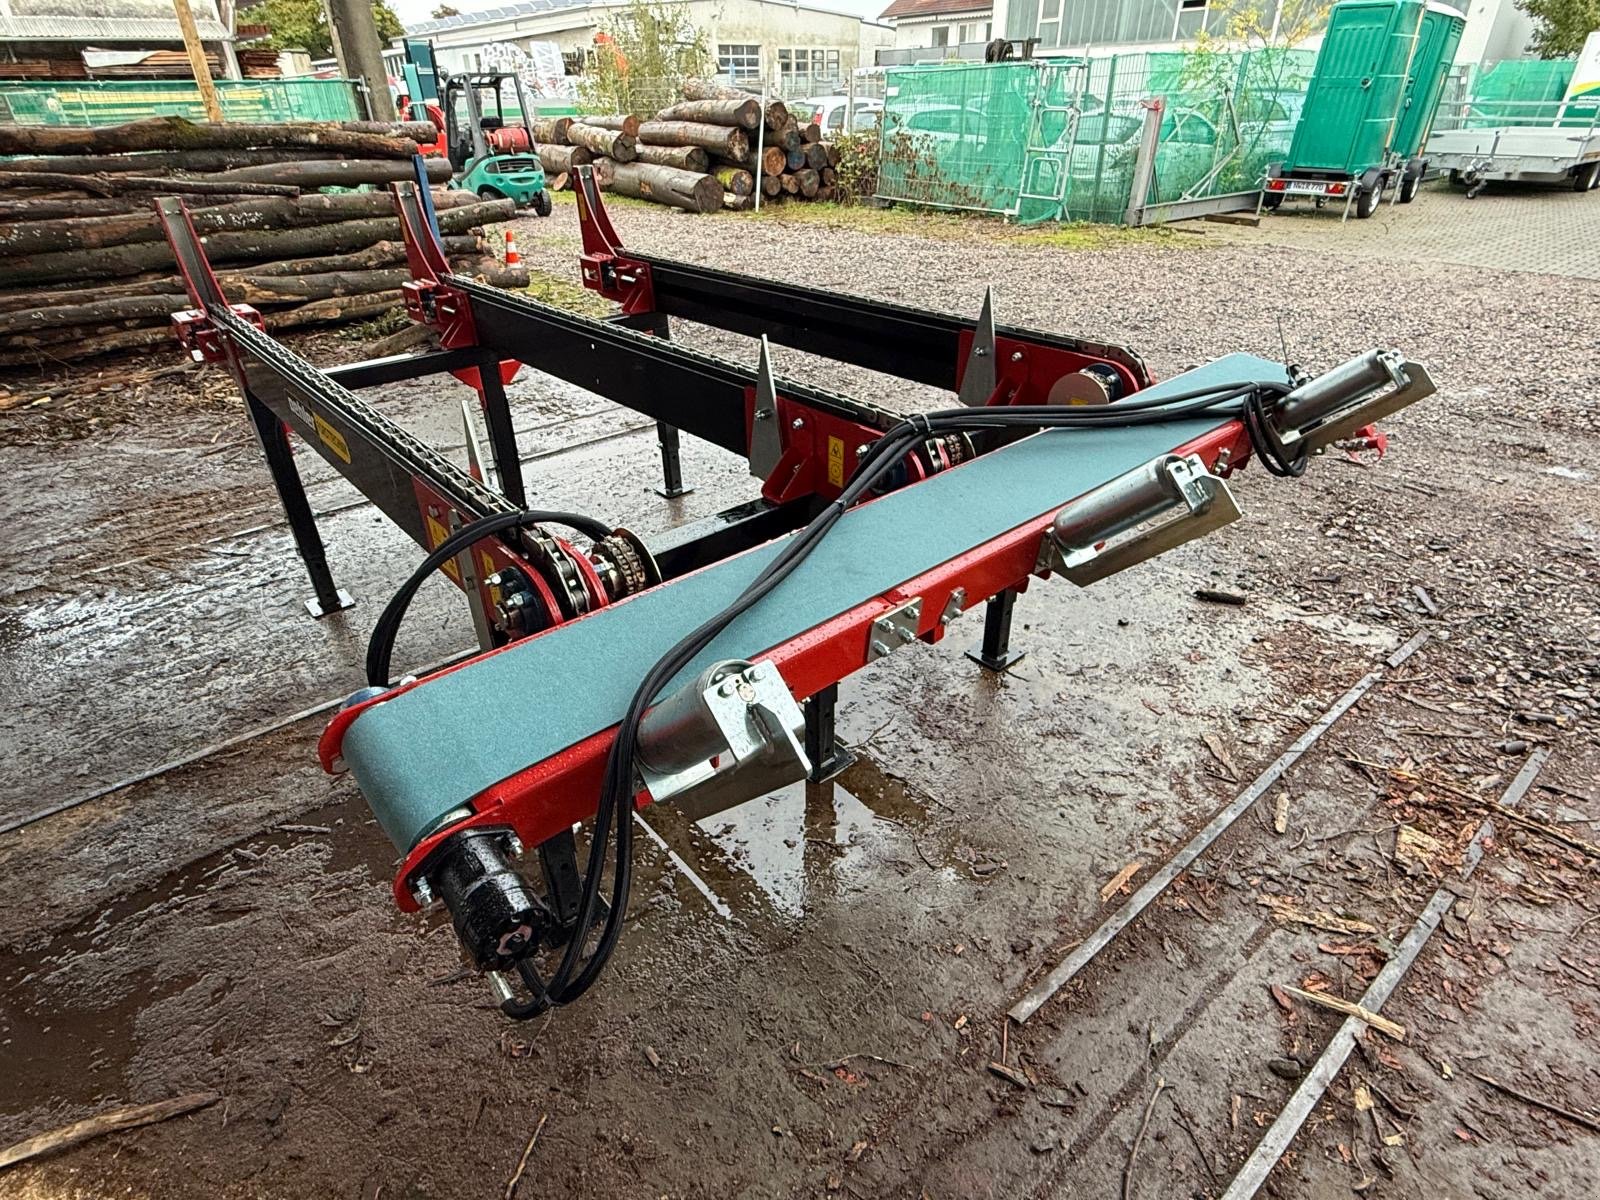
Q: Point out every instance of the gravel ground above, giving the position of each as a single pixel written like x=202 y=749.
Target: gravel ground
x=226 y=926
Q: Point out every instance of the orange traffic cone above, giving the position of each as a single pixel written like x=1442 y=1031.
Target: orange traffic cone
x=513 y=259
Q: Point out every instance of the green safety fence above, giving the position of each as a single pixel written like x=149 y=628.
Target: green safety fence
x=1057 y=139
x=1527 y=91
x=112 y=102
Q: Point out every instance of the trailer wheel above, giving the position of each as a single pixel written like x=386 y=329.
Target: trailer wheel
x=1584 y=177
x=1368 y=199
x=1455 y=177
x=1271 y=201
x=1409 y=184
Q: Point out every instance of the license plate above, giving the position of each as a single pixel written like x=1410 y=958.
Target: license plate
x=1313 y=189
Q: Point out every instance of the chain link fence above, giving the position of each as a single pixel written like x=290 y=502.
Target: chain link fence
x=112 y=102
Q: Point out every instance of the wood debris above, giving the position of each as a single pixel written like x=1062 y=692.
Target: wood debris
x=129 y=1116
x=1351 y=1009
x=1119 y=883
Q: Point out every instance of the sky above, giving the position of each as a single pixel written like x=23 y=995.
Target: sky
x=420 y=10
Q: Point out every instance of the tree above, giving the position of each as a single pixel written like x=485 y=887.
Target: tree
x=443 y=11
x=303 y=25
x=642 y=55
x=1561 y=26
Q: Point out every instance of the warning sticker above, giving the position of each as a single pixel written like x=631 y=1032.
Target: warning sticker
x=836 y=461
x=437 y=534
x=331 y=437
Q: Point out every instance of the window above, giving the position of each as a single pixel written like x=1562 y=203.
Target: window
x=739 y=62
x=941 y=35
x=1050 y=22
x=803 y=68
x=975 y=31
x=1191 y=18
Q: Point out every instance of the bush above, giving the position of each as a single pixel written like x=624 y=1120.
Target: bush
x=858 y=166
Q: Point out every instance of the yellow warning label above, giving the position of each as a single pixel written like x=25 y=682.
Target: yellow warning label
x=836 y=461
x=437 y=534
x=331 y=437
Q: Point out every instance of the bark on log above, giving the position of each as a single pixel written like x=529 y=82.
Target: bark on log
x=833 y=153
x=736 y=180
x=684 y=158
x=622 y=122
x=609 y=143
x=777 y=114
x=794 y=160
x=88 y=233
x=773 y=160
x=337 y=308
x=559 y=160
x=725 y=140
x=114 y=185
x=810 y=132
x=418 y=131
x=706 y=89
x=90 y=347
x=808 y=181
x=791 y=185
x=771 y=185
x=153 y=162
x=816 y=155
x=826 y=193
x=53 y=209
x=316 y=173
x=740 y=113
x=786 y=139
x=342 y=237
x=667 y=185
x=175 y=133
x=830 y=177
x=379 y=254
x=552 y=131
x=736 y=203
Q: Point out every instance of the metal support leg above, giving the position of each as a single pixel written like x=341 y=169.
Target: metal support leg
x=563 y=884
x=291 y=491
x=502 y=439
x=995 y=653
x=671 y=469
x=827 y=754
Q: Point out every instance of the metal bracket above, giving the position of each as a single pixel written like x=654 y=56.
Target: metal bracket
x=894 y=629
x=1339 y=402
x=766 y=440
x=953 y=605
x=1076 y=547
x=732 y=734
x=198 y=335
x=978 y=380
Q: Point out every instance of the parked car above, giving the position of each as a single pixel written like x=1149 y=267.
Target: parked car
x=828 y=112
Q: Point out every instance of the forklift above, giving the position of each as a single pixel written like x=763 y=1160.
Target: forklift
x=490 y=156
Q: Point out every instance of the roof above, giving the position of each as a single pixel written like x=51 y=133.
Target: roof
x=933 y=8
x=539 y=8
x=101 y=21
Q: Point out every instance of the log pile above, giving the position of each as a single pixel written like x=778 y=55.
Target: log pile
x=713 y=149
x=86 y=270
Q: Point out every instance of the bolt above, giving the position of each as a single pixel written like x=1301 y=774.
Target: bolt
x=727 y=688
x=514 y=844
x=422 y=893
x=493 y=580
x=861 y=450
x=798 y=423
x=516 y=600
x=747 y=693
x=906 y=635
x=763 y=415
x=980 y=352
x=880 y=649
x=1016 y=356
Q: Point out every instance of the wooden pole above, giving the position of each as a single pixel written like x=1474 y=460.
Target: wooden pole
x=197 y=61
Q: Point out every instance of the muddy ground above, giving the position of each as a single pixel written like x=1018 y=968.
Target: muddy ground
x=823 y=1021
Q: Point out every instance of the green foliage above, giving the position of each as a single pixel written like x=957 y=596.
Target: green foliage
x=303 y=25
x=858 y=166
x=1560 y=26
x=443 y=11
x=642 y=55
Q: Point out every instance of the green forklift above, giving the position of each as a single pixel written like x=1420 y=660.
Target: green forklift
x=490 y=156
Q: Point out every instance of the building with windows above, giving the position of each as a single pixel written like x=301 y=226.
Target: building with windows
x=939 y=28
x=801 y=48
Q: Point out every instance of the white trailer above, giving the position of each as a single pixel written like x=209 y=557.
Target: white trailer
x=1490 y=143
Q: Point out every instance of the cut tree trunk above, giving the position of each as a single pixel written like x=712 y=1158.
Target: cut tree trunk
x=742 y=113
x=816 y=156
x=317 y=173
x=342 y=237
x=791 y=185
x=830 y=176
x=737 y=203
x=705 y=89
x=725 y=140
x=201 y=161
x=773 y=160
x=559 y=160
x=736 y=180
x=826 y=193
x=88 y=233
x=610 y=143
x=175 y=133
x=684 y=158
x=811 y=132
x=777 y=114
x=771 y=185
x=794 y=160
x=552 y=131
x=622 y=122
x=667 y=185
x=808 y=182
x=66 y=207
x=115 y=185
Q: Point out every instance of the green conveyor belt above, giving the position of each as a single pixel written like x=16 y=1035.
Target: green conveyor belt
x=434 y=747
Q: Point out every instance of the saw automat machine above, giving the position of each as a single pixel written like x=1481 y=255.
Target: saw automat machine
x=701 y=666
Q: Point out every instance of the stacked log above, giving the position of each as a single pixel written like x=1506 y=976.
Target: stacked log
x=85 y=268
x=715 y=148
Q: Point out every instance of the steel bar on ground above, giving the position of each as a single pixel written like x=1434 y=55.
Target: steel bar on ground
x=1162 y=879
x=1272 y=1146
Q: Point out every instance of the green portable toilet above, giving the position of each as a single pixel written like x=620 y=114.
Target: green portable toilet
x=1436 y=50
x=1352 y=106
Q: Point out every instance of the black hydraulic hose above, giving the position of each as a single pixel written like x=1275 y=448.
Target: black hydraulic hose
x=618 y=788
x=380 y=647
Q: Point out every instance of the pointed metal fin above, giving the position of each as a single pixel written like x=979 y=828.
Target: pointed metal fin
x=766 y=440
x=978 y=380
